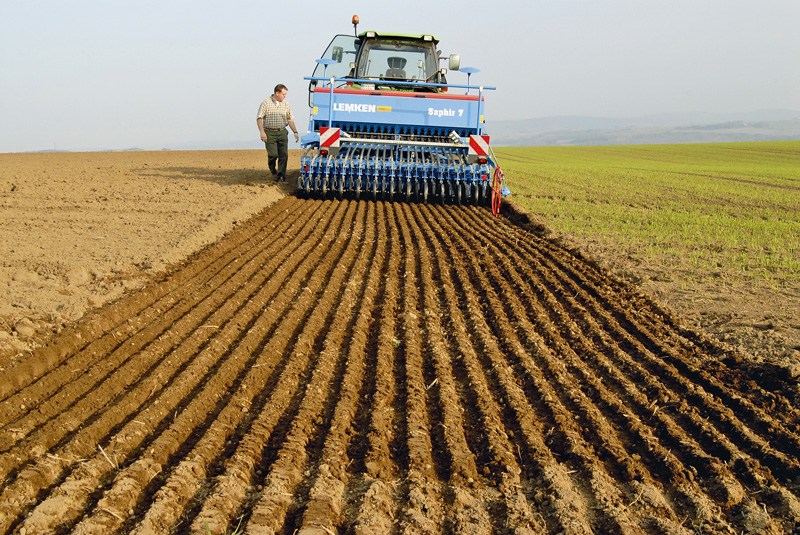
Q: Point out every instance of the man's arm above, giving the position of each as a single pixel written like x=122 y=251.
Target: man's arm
x=260 y=124
x=294 y=129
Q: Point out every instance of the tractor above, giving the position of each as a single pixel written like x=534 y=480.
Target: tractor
x=385 y=123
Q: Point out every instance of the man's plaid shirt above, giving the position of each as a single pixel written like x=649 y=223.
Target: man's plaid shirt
x=275 y=115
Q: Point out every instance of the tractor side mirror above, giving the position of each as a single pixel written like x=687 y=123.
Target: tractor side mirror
x=337 y=54
x=455 y=62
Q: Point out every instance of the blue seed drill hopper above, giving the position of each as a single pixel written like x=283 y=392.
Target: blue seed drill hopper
x=385 y=123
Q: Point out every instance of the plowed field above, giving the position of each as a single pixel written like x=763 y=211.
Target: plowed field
x=367 y=367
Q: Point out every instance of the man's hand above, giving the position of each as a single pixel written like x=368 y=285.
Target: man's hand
x=296 y=137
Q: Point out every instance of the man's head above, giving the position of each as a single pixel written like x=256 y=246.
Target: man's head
x=280 y=92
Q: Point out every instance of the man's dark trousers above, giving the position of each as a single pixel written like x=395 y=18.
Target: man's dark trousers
x=277 y=149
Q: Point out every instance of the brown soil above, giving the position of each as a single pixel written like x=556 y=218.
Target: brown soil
x=357 y=367
x=80 y=229
x=759 y=319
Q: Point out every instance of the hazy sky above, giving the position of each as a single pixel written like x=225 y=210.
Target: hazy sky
x=86 y=75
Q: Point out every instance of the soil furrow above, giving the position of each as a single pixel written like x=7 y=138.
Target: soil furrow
x=436 y=303
x=117 y=371
x=645 y=319
x=500 y=464
x=93 y=330
x=469 y=512
x=327 y=497
x=420 y=510
x=602 y=493
x=721 y=483
x=240 y=242
x=567 y=506
x=339 y=299
x=571 y=332
x=713 y=422
x=736 y=415
x=221 y=424
x=359 y=367
x=150 y=422
x=372 y=492
x=273 y=356
x=157 y=381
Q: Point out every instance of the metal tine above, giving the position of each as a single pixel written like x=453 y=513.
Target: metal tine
x=361 y=162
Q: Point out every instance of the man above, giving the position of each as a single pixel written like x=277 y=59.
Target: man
x=273 y=116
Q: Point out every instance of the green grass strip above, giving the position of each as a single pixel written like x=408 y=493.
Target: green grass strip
x=696 y=209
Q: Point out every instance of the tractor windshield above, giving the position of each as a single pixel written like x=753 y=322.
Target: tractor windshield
x=397 y=59
x=341 y=52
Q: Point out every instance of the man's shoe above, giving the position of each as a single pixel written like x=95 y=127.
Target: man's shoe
x=280 y=178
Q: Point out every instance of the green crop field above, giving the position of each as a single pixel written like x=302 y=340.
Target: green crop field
x=695 y=210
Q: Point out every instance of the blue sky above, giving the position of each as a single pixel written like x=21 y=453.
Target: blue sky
x=89 y=75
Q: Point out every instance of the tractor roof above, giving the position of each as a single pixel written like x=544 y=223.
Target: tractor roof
x=376 y=35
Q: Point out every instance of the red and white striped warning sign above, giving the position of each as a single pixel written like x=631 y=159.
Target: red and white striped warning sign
x=478 y=145
x=328 y=137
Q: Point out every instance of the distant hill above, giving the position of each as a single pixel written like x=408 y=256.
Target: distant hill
x=764 y=125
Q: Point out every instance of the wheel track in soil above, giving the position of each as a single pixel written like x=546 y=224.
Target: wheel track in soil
x=361 y=367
